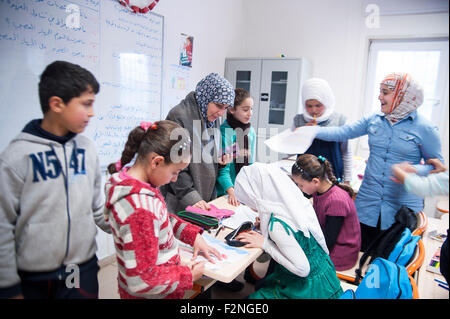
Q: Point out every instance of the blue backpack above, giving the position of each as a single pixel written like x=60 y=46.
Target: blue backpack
x=383 y=280
x=404 y=249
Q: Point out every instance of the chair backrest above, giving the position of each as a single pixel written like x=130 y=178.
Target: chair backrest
x=422 y=224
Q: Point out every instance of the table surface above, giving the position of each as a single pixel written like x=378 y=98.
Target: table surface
x=428 y=287
x=229 y=271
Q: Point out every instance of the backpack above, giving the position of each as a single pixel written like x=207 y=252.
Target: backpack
x=385 y=242
x=384 y=280
x=405 y=248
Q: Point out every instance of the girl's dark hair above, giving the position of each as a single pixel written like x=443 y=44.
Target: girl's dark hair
x=66 y=81
x=165 y=138
x=240 y=95
x=309 y=166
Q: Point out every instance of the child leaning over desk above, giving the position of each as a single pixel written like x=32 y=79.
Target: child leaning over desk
x=51 y=194
x=143 y=229
x=291 y=235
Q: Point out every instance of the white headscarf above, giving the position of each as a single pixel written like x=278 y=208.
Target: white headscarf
x=408 y=95
x=266 y=188
x=320 y=90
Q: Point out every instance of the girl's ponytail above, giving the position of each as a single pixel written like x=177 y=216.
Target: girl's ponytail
x=165 y=138
x=309 y=166
x=135 y=139
x=333 y=179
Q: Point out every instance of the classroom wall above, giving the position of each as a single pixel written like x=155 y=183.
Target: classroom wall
x=216 y=26
x=333 y=35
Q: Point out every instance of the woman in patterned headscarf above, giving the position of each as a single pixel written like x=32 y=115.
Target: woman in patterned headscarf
x=396 y=135
x=199 y=113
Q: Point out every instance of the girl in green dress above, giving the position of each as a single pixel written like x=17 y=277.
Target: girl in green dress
x=290 y=234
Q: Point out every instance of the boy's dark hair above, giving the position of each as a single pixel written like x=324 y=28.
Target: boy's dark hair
x=309 y=166
x=155 y=139
x=66 y=81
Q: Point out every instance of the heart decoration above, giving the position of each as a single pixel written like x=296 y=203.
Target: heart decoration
x=139 y=6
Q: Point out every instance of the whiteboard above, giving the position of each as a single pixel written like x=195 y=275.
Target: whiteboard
x=122 y=49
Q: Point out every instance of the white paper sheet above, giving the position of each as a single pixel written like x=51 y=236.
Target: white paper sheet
x=293 y=142
x=241 y=214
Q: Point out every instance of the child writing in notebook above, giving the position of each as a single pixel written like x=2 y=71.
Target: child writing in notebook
x=290 y=234
x=237 y=132
x=334 y=207
x=143 y=230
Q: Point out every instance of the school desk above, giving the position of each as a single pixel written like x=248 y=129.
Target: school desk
x=229 y=271
x=428 y=287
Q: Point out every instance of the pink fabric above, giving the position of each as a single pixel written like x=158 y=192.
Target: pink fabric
x=213 y=212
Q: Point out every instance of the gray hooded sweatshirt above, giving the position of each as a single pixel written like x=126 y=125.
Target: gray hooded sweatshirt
x=51 y=198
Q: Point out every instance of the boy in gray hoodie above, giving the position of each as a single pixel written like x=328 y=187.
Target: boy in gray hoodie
x=51 y=194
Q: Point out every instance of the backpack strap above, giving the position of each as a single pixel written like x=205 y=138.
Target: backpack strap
x=369 y=252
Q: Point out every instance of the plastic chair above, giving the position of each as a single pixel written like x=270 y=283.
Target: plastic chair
x=414 y=265
x=422 y=224
x=415 y=289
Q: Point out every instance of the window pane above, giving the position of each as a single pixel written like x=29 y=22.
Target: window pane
x=243 y=80
x=422 y=65
x=277 y=97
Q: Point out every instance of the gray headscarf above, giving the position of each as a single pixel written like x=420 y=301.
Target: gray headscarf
x=213 y=88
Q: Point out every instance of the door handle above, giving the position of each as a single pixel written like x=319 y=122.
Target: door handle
x=264 y=97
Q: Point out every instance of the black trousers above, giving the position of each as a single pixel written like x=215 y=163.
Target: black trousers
x=36 y=287
x=369 y=233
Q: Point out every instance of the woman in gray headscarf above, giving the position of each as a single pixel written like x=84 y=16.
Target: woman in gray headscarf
x=199 y=113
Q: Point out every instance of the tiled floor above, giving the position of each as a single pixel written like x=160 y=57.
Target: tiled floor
x=107 y=278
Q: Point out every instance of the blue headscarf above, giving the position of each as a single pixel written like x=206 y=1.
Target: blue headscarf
x=213 y=88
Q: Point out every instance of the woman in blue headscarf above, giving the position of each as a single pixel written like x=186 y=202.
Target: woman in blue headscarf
x=199 y=113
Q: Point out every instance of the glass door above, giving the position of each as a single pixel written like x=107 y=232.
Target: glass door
x=243 y=80
x=246 y=74
x=280 y=84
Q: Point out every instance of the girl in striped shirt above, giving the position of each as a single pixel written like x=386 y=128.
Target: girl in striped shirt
x=144 y=232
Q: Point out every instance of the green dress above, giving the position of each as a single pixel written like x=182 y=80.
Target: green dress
x=321 y=282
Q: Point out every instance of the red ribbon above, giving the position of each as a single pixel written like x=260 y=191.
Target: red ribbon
x=135 y=9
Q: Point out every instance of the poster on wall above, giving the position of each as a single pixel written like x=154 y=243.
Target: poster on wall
x=178 y=86
x=186 y=50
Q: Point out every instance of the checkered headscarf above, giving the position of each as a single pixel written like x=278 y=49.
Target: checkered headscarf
x=408 y=95
x=213 y=88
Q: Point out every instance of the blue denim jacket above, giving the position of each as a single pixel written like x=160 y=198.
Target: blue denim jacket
x=410 y=139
